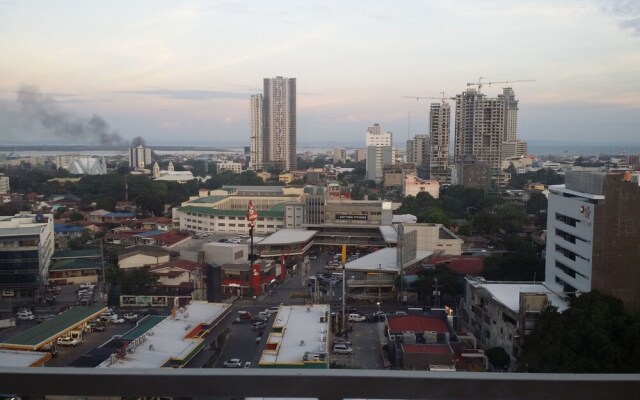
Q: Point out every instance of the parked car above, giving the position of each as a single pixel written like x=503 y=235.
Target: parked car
x=25 y=315
x=342 y=348
x=272 y=310
x=357 y=318
x=67 y=341
x=95 y=327
x=130 y=316
x=86 y=285
x=258 y=325
x=232 y=363
x=341 y=341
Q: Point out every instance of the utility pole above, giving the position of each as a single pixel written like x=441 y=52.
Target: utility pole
x=436 y=291
x=344 y=291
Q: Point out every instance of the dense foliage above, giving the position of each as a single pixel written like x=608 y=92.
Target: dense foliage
x=521 y=262
x=594 y=335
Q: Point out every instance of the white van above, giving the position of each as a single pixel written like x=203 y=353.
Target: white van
x=338 y=276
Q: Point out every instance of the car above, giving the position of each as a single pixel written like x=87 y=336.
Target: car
x=259 y=325
x=244 y=236
x=313 y=257
x=130 y=316
x=272 y=310
x=25 y=315
x=86 y=285
x=96 y=327
x=342 y=348
x=232 y=363
x=341 y=341
x=67 y=341
x=357 y=318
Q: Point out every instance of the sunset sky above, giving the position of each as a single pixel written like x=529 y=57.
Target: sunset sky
x=182 y=72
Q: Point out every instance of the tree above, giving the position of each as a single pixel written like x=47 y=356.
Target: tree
x=499 y=358
x=138 y=281
x=594 y=335
x=521 y=263
x=537 y=202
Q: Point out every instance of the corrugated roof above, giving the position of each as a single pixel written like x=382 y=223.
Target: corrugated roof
x=75 y=264
x=143 y=326
x=48 y=331
x=288 y=236
x=416 y=323
x=85 y=253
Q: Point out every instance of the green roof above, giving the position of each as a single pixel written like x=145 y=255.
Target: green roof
x=86 y=253
x=48 y=331
x=75 y=264
x=232 y=213
x=144 y=325
x=209 y=199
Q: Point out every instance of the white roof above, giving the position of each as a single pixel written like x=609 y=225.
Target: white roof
x=301 y=332
x=18 y=358
x=385 y=260
x=389 y=234
x=168 y=339
x=404 y=219
x=509 y=293
x=289 y=236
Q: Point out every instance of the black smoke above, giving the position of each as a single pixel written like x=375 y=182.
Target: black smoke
x=44 y=110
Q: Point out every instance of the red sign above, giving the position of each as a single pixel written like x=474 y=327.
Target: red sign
x=252 y=214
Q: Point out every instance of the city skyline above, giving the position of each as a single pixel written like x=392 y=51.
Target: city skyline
x=184 y=74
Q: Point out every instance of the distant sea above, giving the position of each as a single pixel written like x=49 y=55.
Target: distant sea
x=538 y=148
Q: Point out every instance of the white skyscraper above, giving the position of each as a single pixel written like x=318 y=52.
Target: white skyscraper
x=379 y=152
x=280 y=122
x=139 y=157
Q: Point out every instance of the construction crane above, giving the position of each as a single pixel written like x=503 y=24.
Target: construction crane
x=480 y=83
x=418 y=98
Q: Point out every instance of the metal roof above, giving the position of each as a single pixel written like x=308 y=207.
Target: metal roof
x=85 y=253
x=75 y=264
x=48 y=331
x=232 y=213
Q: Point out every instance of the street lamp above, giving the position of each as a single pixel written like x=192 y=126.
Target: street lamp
x=378 y=303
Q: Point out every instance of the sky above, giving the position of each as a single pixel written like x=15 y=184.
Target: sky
x=91 y=72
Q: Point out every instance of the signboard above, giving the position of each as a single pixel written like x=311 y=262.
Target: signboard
x=252 y=214
x=352 y=217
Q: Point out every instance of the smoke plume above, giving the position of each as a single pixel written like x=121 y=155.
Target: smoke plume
x=44 y=110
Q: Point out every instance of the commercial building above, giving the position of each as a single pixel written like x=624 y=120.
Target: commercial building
x=273 y=125
x=234 y=167
x=394 y=173
x=379 y=152
x=139 y=157
x=26 y=246
x=339 y=154
x=418 y=151
x=593 y=236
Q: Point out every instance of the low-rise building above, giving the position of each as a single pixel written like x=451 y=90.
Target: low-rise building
x=299 y=338
x=234 y=167
x=142 y=256
x=412 y=186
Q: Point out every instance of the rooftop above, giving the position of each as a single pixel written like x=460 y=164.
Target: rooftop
x=288 y=236
x=384 y=260
x=508 y=293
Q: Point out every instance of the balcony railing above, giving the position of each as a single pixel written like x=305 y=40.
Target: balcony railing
x=321 y=384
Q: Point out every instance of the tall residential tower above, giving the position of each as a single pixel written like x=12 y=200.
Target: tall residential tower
x=273 y=126
x=439 y=131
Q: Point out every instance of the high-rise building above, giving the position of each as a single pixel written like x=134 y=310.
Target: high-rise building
x=257 y=143
x=4 y=184
x=418 y=151
x=438 y=151
x=280 y=122
x=487 y=128
x=379 y=152
x=273 y=126
x=479 y=128
x=593 y=236
x=139 y=157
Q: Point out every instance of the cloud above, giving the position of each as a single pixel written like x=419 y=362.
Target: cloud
x=190 y=94
x=627 y=13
